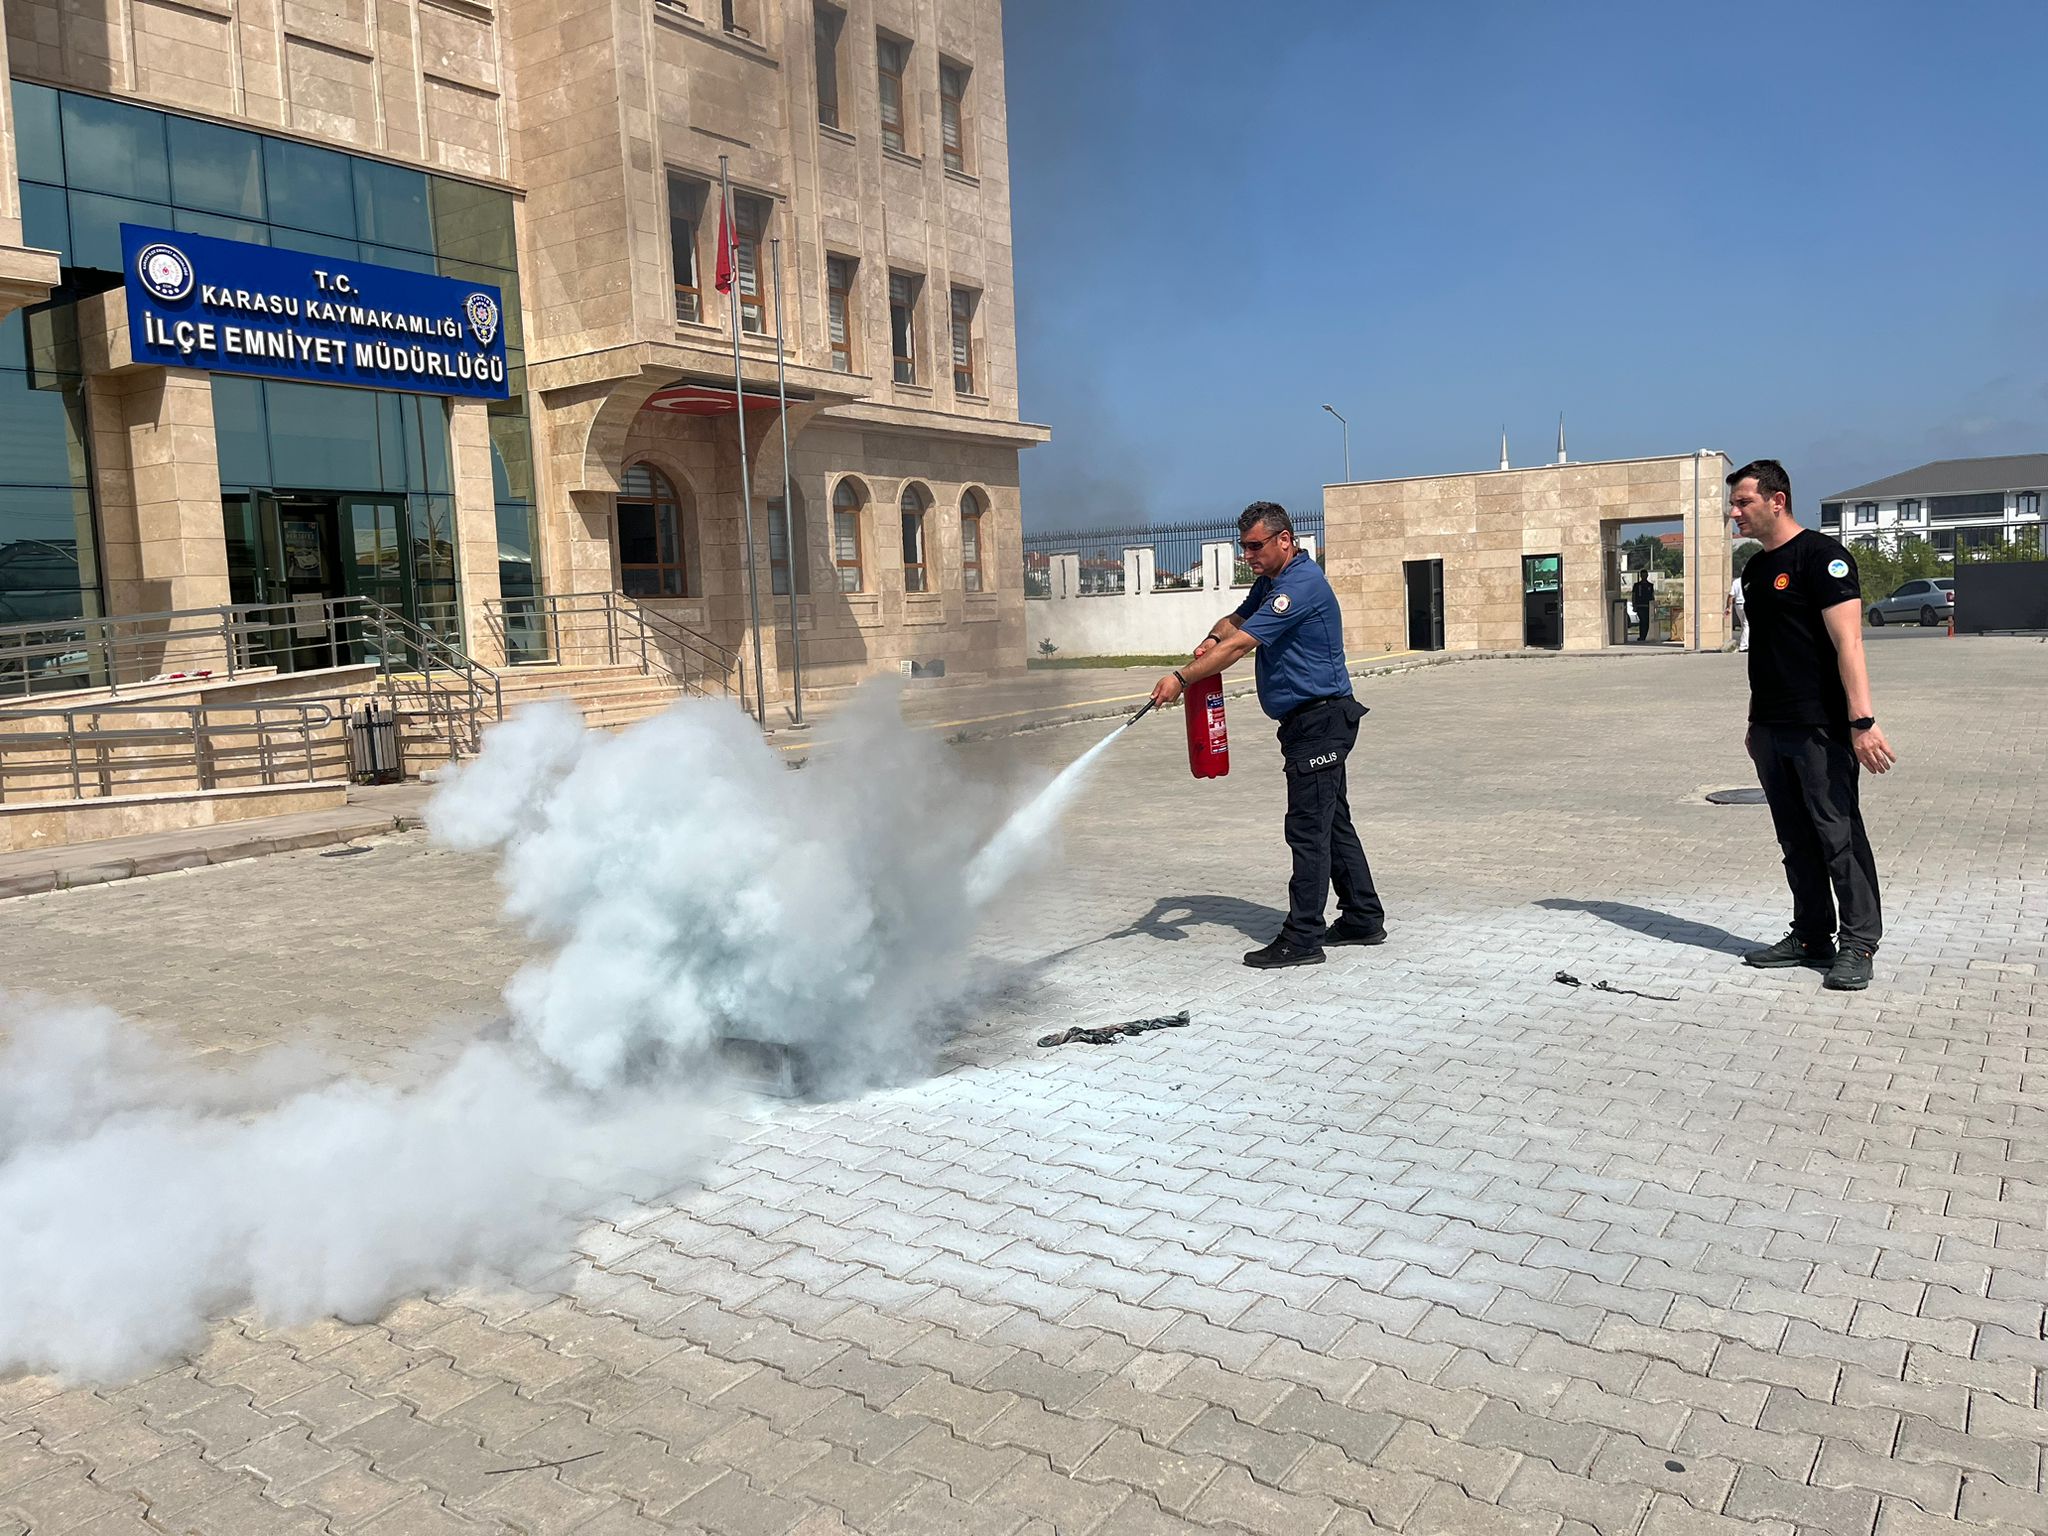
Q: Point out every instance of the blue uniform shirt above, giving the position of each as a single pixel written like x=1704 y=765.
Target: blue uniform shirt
x=1295 y=619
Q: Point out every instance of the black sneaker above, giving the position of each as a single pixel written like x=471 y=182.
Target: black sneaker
x=1279 y=953
x=1347 y=931
x=1793 y=950
x=1851 y=970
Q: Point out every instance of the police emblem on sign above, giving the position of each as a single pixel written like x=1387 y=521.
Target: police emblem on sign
x=165 y=272
x=482 y=312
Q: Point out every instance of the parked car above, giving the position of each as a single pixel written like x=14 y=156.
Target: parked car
x=1932 y=601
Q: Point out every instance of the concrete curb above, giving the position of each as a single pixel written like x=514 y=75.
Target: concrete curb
x=41 y=882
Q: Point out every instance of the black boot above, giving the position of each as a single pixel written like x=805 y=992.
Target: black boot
x=1793 y=950
x=1355 y=930
x=1851 y=970
x=1280 y=952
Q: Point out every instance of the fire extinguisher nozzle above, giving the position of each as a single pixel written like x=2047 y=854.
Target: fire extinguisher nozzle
x=1144 y=710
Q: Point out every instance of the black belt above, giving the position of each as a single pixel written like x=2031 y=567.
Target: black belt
x=1304 y=708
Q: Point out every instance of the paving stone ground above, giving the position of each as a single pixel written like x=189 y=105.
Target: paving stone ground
x=1416 y=1241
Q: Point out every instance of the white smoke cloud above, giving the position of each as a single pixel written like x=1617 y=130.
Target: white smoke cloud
x=688 y=885
x=139 y=1198
x=694 y=887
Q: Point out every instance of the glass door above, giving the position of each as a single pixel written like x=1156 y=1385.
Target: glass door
x=306 y=571
x=377 y=565
x=1543 y=601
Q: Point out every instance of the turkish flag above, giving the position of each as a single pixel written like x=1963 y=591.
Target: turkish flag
x=723 y=278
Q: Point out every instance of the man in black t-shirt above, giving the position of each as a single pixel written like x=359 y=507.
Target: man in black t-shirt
x=1811 y=726
x=1643 y=597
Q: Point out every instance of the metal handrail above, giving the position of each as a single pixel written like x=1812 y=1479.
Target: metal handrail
x=479 y=682
x=200 y=747
x=624 y=632
x=235 y=638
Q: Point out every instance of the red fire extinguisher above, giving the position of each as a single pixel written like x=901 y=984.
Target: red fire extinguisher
x=1208 y=738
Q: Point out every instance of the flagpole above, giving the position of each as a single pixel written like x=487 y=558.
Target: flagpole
x=791 y=554
x=739 y=399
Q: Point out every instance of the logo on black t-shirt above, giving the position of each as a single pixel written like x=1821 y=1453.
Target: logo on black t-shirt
x=1784 y=580
x=1838 y=568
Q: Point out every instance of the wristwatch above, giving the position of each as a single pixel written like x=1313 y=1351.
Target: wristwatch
x=1863 y=724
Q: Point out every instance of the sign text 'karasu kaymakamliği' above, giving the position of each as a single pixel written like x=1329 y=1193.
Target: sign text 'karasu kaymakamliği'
x=231 y=307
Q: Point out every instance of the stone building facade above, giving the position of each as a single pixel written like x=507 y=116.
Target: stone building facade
x=569 y=153
x=1518 y=558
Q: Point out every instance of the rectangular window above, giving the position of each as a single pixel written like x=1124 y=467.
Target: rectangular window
x=914 y=578
x=750 y=224
x=1831 y=514
x=964 y=303
x=1970 y=504
x=827 y=22
x=903 y=295
x=846 y=548
x=2029 y=504
x=970 y=546
x=734 y=15
x=780 y=542
x=1866 y=513
x=839 y=311
x=685 y=216
x=953 y=114
x=891 y=56
x=1909 y=511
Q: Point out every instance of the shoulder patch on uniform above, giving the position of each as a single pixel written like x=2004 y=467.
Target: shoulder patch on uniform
x=1838 y=567
x=1781 y=581
x=1282 y=603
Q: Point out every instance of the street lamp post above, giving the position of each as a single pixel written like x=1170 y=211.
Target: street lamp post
x=1347 y=439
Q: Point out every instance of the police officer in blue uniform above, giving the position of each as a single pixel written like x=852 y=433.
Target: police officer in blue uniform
x=1290 y=618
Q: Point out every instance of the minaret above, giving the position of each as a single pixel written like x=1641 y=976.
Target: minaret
x=1560 y=439
x=1503 y=447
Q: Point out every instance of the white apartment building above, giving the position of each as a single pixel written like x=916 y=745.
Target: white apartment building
x=1971 y=502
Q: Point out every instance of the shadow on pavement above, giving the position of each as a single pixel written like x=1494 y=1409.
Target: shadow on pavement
x=1658 y=925
x=1172 y=917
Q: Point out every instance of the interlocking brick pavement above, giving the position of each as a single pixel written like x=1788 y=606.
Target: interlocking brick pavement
x=1417 y=1241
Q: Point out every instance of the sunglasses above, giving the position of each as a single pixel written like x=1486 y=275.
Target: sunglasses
x=1253 y=546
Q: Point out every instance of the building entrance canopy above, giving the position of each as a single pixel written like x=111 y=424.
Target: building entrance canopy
x=694 y=399
x=229 y=306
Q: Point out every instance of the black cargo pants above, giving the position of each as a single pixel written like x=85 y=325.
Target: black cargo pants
x=1809 y=776
x=1314 y=742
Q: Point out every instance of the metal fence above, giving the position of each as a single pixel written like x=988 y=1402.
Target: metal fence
x=1176 y=551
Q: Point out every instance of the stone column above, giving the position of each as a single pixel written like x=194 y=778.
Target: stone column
x=26 y=275
x=1709 y=550
x=157 y=481
x=476 y=529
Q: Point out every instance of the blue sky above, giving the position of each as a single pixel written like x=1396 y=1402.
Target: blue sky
x=1816 y=231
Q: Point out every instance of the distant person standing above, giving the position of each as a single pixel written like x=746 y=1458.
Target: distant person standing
x=1643 y=595
x=1736 y=611
x=1811 y=726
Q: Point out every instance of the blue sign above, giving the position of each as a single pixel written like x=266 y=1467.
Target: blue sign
x=231 y=307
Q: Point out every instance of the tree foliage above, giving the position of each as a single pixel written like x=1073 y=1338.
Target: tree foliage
x=1886 y=565
x=1648 y=552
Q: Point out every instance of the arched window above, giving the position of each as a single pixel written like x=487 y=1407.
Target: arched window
x=972 y=510
x=789 y=550
x=916 y=574
x=651 y=559
x=848 y=501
